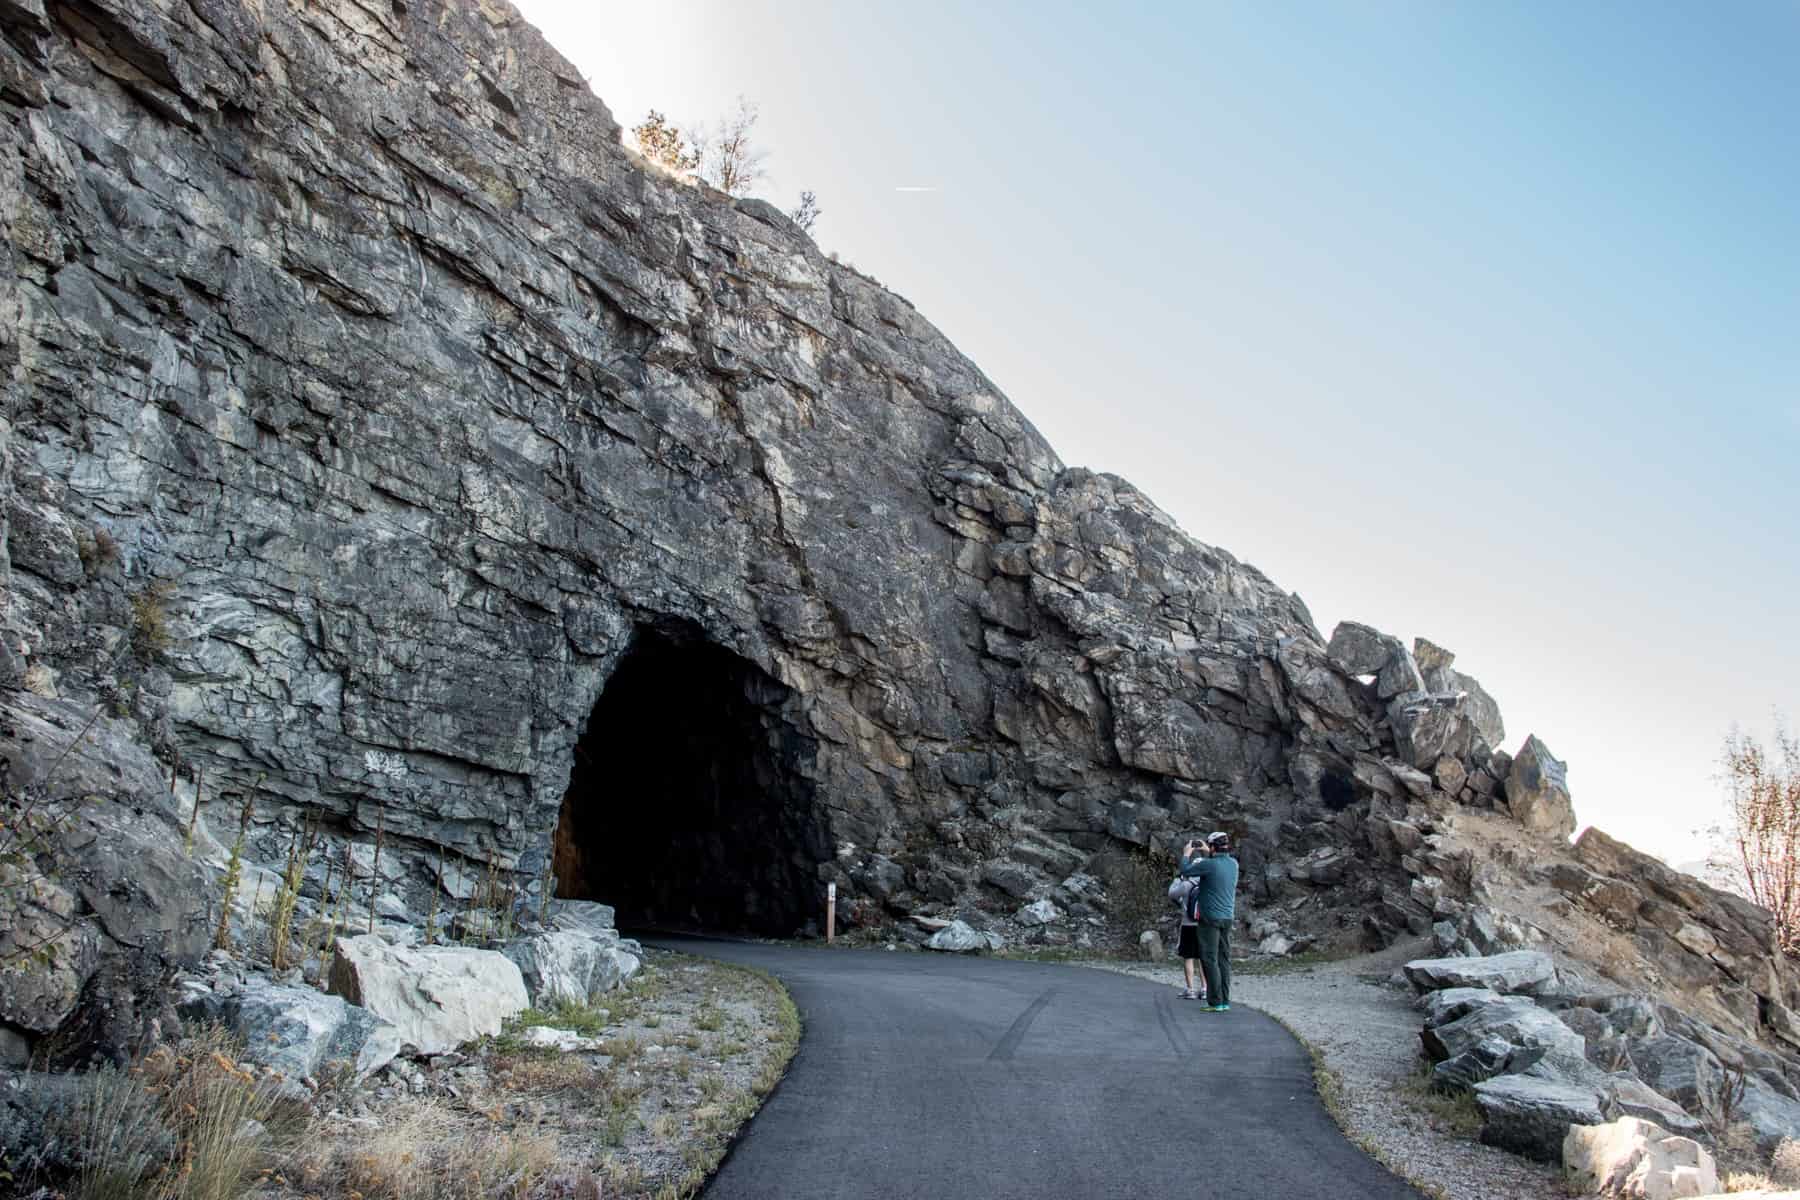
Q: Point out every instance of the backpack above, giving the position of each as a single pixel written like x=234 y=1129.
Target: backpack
x=1190 y=908
x=1179 y=891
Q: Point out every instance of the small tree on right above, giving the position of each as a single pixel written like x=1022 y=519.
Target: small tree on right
x=1763 y=824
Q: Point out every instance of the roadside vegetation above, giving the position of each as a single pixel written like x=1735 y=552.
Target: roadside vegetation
x=684 y=1054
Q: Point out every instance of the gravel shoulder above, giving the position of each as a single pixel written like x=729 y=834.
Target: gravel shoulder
x=1366 y=1035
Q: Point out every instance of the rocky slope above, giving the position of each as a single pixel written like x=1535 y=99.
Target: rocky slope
x=387 y=446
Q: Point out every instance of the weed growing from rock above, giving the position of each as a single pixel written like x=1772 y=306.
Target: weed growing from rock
x=151 y=633
x=234 y=872
x=287 y=896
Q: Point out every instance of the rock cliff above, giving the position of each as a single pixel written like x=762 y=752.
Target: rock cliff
x=390 y=447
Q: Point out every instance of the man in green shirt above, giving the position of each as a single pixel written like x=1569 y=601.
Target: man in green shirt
x=1215 y=875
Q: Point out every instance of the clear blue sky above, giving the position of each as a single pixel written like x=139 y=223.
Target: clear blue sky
x=1478 y=322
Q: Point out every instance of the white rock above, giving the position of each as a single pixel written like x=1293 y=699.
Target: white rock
x=438 y=997
x=569 y=968
x=959 y=938
x=565 y=1040
x=1150 y=945
x=1275 y=943
x=1632 y=1157
x=1040 y=912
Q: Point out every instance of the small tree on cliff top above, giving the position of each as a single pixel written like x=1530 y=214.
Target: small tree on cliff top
x=662 y=144
x=1763 y=824
x=729 y=159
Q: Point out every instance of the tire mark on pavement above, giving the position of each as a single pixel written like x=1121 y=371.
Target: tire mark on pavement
x=1008 y=1043
x=1177 y=1040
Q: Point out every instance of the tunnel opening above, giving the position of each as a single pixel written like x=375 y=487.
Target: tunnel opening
x=691 y=802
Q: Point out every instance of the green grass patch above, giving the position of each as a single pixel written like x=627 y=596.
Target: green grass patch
x=1455 y=1112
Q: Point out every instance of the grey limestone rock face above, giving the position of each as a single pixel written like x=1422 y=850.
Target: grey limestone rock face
x=122 y=906
x=409 y=402
x=1487 y=1058
x=1446 y=1005
x=1629 y=1096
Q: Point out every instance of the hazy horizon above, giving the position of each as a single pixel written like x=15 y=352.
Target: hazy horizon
x=1472 y=324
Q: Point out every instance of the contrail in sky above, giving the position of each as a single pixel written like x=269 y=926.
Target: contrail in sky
x=915 y=189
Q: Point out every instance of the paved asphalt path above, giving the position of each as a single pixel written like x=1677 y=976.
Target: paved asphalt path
x=931 y=1077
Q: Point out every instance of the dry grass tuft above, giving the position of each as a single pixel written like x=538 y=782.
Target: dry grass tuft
x=537 y=1074
x=186 y=1123
x=225 y=1117
x=151 y=633
x=1454 y=1112
x=1747 y=1181
x=1784 y=1164
x=426 y=1154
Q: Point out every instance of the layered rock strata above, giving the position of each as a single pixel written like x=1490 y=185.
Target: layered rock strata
x=369 y=403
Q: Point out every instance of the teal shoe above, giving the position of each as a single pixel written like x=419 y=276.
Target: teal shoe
x=1218 y=1008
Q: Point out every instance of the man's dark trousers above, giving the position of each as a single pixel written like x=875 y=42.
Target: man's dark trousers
x=1215 y=959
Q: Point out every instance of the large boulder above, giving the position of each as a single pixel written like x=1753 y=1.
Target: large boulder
x=1532 y=1116
x=1442 y=1007
x=1537 y=791
x=1771 y=1116
x=569 y=968
x=1635 y=1158
x=1361 y=650
x=1487 y=1058
x=1427 y=728
x=959 y=938
x=1516 y=1021
x=1519 y=971
x=298 y=1030
x=1684 y=1071
x=1629 y=1096
x=582 y=916
x=438 y=997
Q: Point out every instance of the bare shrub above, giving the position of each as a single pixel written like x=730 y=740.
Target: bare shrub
x=185 y=1123
x=1763 y=824
x=1137 y=889
x=729 y=158
x=806 y=213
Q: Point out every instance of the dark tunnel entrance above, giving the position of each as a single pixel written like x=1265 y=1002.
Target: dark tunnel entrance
x=690 y=804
